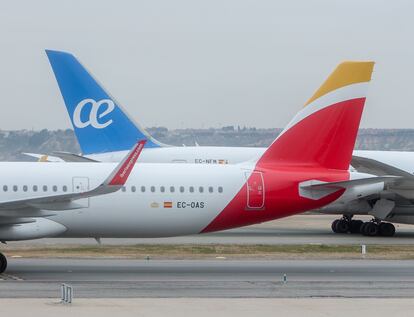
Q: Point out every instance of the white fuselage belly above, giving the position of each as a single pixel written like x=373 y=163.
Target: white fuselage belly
x=127 y=213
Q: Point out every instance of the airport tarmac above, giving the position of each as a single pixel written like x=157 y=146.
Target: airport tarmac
x=122 y=278
x=301 y=229
x=207 y=307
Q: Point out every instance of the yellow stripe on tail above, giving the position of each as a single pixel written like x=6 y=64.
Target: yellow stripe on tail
x=347 y=73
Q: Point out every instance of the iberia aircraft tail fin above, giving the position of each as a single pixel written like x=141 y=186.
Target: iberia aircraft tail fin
x=323 y=133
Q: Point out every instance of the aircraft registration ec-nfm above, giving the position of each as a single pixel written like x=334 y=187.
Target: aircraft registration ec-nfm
x=105 y=133
x=155 y=200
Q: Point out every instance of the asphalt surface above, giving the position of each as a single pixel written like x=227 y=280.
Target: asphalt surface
x=207 y=307
x=116 y=278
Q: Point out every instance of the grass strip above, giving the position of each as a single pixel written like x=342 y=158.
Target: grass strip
x=186 y=251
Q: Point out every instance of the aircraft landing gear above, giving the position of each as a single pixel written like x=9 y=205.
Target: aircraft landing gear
x=378 y=228
x=3 y=263
x=355 y=226
x=346 y=224
x=371 y=228
x=386 y=229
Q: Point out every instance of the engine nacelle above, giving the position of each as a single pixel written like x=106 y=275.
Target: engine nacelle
x=39 y=228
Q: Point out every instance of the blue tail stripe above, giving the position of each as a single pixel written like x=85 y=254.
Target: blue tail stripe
x=99 y=122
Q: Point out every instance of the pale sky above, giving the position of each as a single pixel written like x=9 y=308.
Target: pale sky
x=189 y=63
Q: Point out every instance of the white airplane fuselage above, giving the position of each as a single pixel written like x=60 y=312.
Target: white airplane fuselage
x=213 y=155
x=158 y=200
x=131 y=212
x=188 y=154
x=233 y=155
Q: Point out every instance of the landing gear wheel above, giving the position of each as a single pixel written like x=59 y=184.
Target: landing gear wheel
x=370 y=229
x=355 y=226
x=3 y=263
x=342 y=226
x=333 y=226
x=386 y=229
x=362 y=228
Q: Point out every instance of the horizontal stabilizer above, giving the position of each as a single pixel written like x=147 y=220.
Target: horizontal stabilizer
x=314 y=189
x=371 y=166
x=61 y=157
x=43 y=157
x=350 y=183
x=71 y=157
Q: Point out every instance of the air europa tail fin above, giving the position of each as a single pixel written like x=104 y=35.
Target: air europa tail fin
x=323 y=133
x=100 y=123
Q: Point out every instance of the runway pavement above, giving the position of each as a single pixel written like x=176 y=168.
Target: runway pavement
x=207 y=307
x=116 y=278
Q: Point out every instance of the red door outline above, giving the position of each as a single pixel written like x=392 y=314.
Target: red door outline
x=255 y=190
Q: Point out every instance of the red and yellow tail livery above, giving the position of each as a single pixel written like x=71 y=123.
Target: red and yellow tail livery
x=324 y=132
x=315 y=146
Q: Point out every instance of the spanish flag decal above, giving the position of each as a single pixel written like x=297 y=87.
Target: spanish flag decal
x=167 y=204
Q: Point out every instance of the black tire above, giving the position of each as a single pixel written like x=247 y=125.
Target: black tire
x=386 y=229
x=342 y=226
x=362 y=228
x=371 y=229
x=333 y=226
x=355 y=226
x=3 y=263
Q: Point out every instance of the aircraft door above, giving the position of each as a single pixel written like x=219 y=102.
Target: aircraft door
x=255 y=191
x=81 y=184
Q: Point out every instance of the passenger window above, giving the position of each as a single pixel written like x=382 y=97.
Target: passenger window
x=191 y=189
x=152 y=189
x=181 y=189
x=54 y=188
x=15 y=188
x=44 y=188
x=25 y=188
x=64 y=188
x=35 y=188
x=5 y=188
x=210 y=189
x=201 y=189
x=143 y=189
x=162 y=189
x=123 y=189
x=220 y=189
x=133 y=189
x=172 y=189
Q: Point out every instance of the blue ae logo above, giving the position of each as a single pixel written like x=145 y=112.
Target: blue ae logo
x=93 y=114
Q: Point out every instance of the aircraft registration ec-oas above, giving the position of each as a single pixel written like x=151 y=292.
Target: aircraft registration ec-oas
x=105 y=132
x=154 y=200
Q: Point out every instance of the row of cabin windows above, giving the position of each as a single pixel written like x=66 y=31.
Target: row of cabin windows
x=152 y=189
x=171 y=189
x=34 y=188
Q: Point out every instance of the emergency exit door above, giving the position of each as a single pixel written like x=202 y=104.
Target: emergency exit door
x=81 y=184
x=255 y=190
